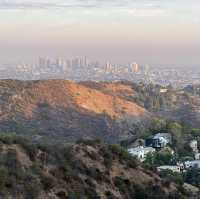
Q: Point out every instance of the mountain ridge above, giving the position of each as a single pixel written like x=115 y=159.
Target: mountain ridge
x=60 y=106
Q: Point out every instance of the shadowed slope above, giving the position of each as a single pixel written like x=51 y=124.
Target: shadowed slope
x=66 y=108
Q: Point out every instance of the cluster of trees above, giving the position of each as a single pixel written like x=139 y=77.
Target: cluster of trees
x=164 y=157
x=150 y=97
x=192 y=177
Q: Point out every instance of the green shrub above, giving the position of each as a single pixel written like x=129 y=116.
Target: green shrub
x=108 y=157
x=110 y=195
x=74 y=195
x=193 y=177
x=48 y=182
x=3 y=177
x=160 y=158
x=33 y=188
x=89 y=142
x=195 y=132
x=120 y=184
x=124 y=156
x=172 y=176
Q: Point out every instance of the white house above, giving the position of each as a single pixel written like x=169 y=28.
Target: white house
x=141 y=152
x=192 y=164
x=173 y=168
x=197 y=156
x=160 y=140
x=166 y=136
x=194 y=146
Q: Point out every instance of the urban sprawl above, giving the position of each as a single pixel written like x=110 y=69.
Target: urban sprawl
x=82 y=69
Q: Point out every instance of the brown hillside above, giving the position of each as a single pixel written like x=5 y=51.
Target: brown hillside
x=123 y=90
x=67 y=108
x=189 y=113
x=87 y=170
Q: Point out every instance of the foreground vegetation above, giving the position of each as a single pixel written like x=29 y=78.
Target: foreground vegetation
x=86 y=170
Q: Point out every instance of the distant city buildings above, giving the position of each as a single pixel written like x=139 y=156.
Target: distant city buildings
x=135 y=67
x=83 y=69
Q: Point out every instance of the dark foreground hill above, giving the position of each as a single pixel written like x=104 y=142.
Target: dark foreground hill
x=64 y=110
x=86 y=170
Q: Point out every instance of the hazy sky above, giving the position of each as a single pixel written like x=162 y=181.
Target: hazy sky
x=146 y=31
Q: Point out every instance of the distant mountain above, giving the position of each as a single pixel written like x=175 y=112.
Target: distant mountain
x=64 y=110
x=174 y=104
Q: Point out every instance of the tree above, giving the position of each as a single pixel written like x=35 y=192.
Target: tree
x=158 y=125
x=195 y=132
x=160 y=158
x=193 y=177
x=3 y=177
x=175 y=129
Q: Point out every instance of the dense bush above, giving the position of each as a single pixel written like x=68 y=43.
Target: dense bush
x=195 y=132
x=193 y=177
x=124 y=156
x=52 y=167
x=120 y=184
x=3 y=177
x=89 y=142
x=159 y=158
x=171 y=176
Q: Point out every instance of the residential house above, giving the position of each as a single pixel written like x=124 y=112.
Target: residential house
x=197 y=156
x=141 y=152
x=159 y=140
x=173 y=168
x=194 y=146
x=192 y=164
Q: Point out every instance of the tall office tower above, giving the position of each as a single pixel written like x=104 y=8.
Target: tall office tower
x=76 y=62
x=86 y=62
x=135 y=67
x=108 y=66
x=68 y=63
x=59 y=62
x=48 y=63
x=146 y=69
x=42 y=62
x=83 y=61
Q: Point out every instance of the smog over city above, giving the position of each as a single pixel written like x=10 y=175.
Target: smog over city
x=99 y=99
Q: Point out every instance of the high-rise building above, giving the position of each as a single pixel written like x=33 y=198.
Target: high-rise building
x=83 y=61
x=134 y=67
x=59 y=62
x=108 y=66
x=76 y=62
x=44 y=63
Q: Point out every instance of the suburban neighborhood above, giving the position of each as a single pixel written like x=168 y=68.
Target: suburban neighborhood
x=163 y=141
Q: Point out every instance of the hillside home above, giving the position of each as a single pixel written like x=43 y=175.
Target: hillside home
x=172 y=168
x=141 y=152
x=159 y=140
x=197 y=156
x=192 y=164
x=194 y=146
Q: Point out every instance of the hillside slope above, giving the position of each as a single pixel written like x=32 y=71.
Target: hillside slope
x=87 y=170
x=66 y=110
